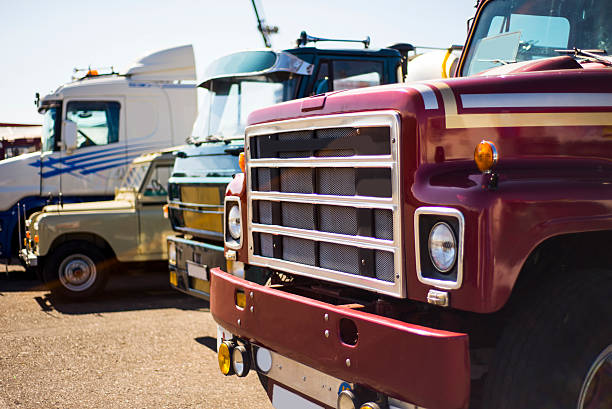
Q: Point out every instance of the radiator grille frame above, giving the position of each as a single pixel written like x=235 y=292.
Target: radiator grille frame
x=391 y=161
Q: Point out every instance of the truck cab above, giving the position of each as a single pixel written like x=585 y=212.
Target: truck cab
x=93 y=127
x=74 y=247
x=436 y=244
x=238 y=84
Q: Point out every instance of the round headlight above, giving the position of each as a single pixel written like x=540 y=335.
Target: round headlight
x=234 y=223
x=442 y=247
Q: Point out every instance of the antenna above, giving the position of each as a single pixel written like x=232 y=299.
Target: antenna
x=263 y=28
x=304 y=39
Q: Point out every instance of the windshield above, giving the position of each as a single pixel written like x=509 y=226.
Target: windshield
x=521 y=30
x=231 y=100
x=133 y=177
x=48 y=130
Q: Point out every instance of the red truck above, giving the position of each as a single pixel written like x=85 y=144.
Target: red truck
x=441 y=244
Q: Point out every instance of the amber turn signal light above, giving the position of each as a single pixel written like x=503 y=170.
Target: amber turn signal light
x=224 y=356
x=485 y=156
x=242 y=161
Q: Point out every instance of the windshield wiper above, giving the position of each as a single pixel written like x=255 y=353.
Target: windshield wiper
x=590 y=54
x=498 y=61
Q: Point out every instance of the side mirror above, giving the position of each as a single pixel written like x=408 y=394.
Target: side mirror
x=69 y=135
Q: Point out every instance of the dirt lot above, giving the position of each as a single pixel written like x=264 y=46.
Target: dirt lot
x=139 y=345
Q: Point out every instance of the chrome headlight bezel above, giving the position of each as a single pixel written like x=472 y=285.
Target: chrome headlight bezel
x=231 y=203
x=425 y=219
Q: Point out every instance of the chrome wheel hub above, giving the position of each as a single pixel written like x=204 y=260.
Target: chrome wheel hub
x=77 y=272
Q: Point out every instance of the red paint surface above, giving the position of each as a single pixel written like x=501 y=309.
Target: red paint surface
x=552 y=180
x=424 y=366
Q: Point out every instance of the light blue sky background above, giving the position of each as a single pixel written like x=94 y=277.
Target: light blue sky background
x=42 y=41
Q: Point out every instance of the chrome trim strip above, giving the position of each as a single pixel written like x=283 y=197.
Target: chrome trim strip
x=232 y=244
x=374 y=161
x=366 y=283
x=352 y=201
x=442 y=211
x=355 y=120
x=210 y=233
x=387 y=118
x=186 y=209
x=176 y=202
x=317 y=235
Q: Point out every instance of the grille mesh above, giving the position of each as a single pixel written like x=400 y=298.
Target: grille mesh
x=384 y=265
x=265 y=212
x=264 y=180
x=299 y=250
x=339 y=182
x=339 y=153
x=266 y=244
x=335 y=133
x=298 y=215
x=296 y=180
x=383 y=224
x=337 y=219
x=295 y=136
x=339 y=257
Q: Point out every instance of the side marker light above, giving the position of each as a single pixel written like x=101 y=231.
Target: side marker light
x=242 y=161
x=486 y=156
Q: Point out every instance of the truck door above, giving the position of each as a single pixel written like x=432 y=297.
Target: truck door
x=99 y=161
x=153 y=227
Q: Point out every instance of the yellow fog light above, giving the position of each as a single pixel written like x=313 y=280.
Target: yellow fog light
x=241 y=360
x=485 y=156
x=225 y=358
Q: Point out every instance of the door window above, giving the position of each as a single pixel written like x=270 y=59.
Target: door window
x=347 y=74
x=157 y=182
x=357 y=74
x=97 y=122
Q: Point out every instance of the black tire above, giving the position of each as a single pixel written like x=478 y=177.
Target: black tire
x=545 y=353
x=76 y=270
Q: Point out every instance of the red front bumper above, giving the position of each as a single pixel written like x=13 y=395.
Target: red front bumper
x=423 y=366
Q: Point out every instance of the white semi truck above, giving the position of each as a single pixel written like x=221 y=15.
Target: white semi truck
x=92 y=129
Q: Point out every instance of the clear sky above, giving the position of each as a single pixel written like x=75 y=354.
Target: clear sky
x=42 y=41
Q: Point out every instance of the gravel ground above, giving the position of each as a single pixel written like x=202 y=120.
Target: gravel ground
x=138 y=345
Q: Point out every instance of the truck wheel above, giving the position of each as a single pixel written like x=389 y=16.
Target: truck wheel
x=76 y=269
x=557 y=350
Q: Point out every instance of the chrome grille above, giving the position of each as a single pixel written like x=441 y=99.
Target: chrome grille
x=198 y=209
x=323 y=199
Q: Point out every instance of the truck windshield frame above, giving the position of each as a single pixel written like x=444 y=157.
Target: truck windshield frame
x=509 y=31
x=232 y=99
